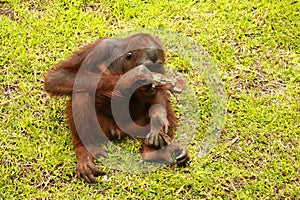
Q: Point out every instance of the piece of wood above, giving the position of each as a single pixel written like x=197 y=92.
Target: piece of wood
x=174 y=85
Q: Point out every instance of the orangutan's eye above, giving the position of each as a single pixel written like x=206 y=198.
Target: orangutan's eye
x=128 y=56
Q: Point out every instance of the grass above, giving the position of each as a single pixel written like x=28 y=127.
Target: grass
x=254 y=44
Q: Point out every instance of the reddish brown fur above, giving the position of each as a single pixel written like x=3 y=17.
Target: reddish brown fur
x=60 y=81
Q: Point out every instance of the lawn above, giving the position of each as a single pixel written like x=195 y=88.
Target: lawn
x=254 y=54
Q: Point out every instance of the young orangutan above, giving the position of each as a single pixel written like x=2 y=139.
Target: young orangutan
x=115 y=84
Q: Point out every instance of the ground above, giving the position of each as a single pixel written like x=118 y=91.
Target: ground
x=253 y=44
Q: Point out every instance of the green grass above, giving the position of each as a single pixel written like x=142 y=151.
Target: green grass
x=254 y=44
